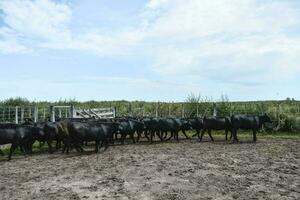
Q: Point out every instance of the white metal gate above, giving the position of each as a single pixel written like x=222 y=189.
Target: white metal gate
x=97 y=113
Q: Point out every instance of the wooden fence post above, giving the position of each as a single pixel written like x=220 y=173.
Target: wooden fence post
x=215 y=110
x=143 y=111
x=197 y=112
x=22 y=114
x=44 y=114
x=182 y=111
x=52 y=111
x=115 y=112
x=9 y=114
x=16 y=115
x=59 y=113
x=72 y=111
x=66 y=112
x=3 y=115
x=29 y=113
x=156 y=110
x=35 y=114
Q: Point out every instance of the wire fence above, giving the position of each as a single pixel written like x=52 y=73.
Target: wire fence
x=285 y=116
x=30 y=113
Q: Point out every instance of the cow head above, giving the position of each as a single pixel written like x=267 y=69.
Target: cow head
x=187 y=124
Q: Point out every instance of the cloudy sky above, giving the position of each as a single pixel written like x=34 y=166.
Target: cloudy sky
x=149 y=49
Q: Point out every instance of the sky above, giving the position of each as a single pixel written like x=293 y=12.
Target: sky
x=153 y=50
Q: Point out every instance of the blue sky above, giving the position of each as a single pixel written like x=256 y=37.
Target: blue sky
x=149 y=49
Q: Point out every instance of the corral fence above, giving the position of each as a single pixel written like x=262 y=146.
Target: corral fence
x=19 y=114
x=285 y=116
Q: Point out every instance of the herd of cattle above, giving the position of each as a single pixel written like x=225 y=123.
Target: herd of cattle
x=74 y=133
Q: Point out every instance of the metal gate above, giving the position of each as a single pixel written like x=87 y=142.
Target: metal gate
x=97 y=113
x=38 y=114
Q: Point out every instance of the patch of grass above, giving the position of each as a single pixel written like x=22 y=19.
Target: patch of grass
x=220 y=135
x=35 y=148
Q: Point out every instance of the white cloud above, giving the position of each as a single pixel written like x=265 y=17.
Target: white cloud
x=39 y=19
x=237 y=38
x=228 y=39
x=9 y=44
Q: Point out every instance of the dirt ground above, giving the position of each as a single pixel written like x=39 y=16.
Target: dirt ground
x=269 y=169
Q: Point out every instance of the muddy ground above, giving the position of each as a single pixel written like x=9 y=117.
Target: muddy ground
x=269 y=169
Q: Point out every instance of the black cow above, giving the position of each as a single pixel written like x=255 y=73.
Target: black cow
x=83 y=131
x=152 y=128
x=110 y=129
x=52 y=132
x=19 y=135
x=127 y=129
x=197 y=125
x=169 y=125
x=138 y=127
x=184 y=125
x=65 y=136
x=215 y=123
x=247 y=122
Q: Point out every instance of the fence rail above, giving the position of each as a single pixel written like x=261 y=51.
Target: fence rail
x=285 y=115
x=38 y=114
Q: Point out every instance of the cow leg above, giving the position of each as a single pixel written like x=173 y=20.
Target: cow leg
x=184 y=133
x=22 y=149
x=12 y=149
x=77 y=145
x=123 y=137
x=79 y=148
x=172 y=135
x=97 y=146
x=106 y=144
x=132 y=137
x=254 y=135
x=165 y=133
x=30 y=145
x=226 y=134
x=57 y=146
x=50 y=146
x=146 y=135
x=201 y=136
x=209 y=133
x=235 y=139
x=196 y=134
x=159 y=134
x=151 y=136
x=138 y=137
x=116 y=136
x=177 y=137
x=67 y=145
